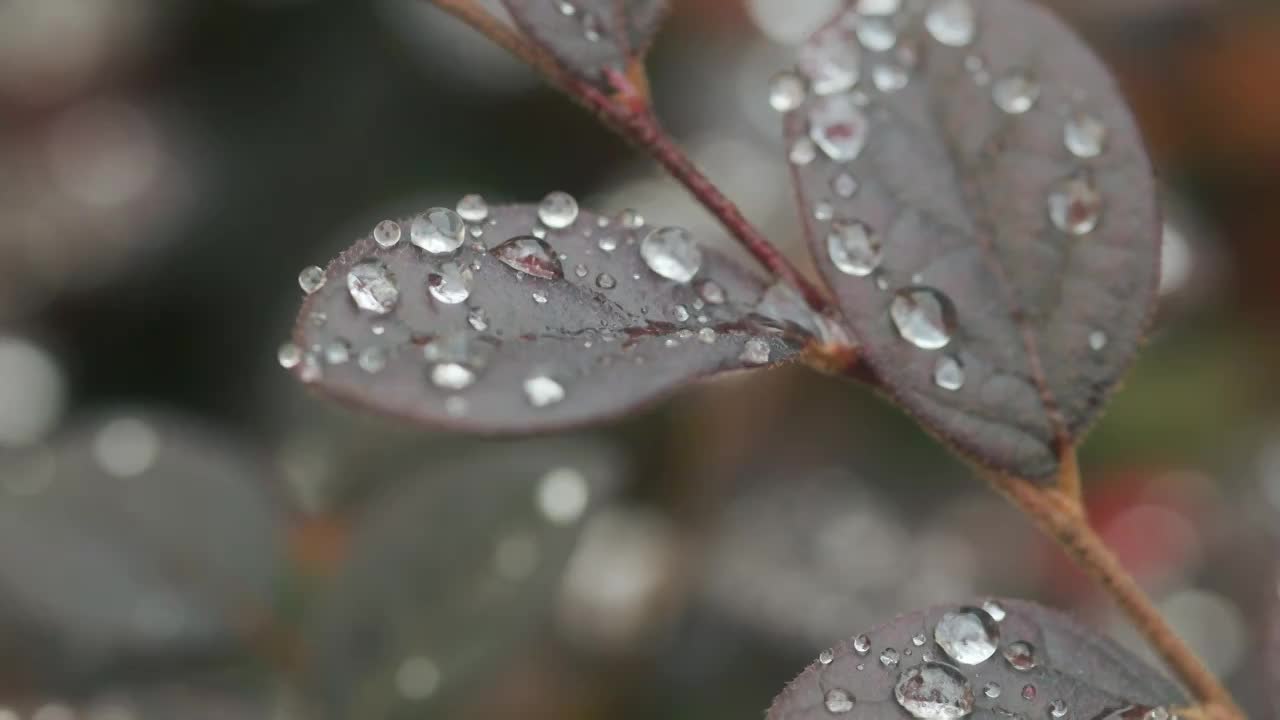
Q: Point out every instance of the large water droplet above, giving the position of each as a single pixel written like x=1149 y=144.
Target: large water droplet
x=438 y=231
x=876 y=34
x=558 y=210
x=838 y=127
x=1016 y=93
x=530 y=255
x=923 y=317
x=933 y=691
x=452 y=376
x=387 y=233
x=542 y=391
x=755 y=352
x=1084 y=135
x=311 y=279
x=373 y=287
x=1075 y=205
x=830 y=61
x=1020 y=655
x=854 y=248
x=951 y=22
x=473 y=208
x=787 y=91
x=948 y=373
x=451 y=285
x=672 y=253
x=838 y=701
x=968 y=635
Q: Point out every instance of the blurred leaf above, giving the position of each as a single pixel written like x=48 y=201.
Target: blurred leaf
x=985 y=212
x=591 y=38
x=998 y=658
x=509 y=332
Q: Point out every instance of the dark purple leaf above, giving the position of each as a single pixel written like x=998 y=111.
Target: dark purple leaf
x=992 y=659
x=981 y=203
x=593 y=39
x=512 y=332
x=448 y=573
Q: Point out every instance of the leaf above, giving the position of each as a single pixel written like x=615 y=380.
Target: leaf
x=134 y=538
x=514 y=333
x=597 y=40
x=984 y=210
x=447 y=574
x=952 y=661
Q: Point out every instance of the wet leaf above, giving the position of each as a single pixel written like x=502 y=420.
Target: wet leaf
x=511 y=332
x=134 y=538
x=985 y=212
x=593 y=39
x=991 y=659
x=448 y=573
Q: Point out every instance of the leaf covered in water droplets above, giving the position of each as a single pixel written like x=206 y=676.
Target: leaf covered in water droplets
x=528 y=318
x=980 y=201
x=990 y=659
x=593 y=39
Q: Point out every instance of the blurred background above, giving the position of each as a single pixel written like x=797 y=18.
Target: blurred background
x=186 y=532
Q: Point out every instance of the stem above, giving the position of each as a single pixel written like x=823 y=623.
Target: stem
x=1062 y=518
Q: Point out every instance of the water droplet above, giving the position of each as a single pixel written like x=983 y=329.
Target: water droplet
x=605 y=281
x=563 y=496
x=933 y=691
x=710 y=291
x=438 y=231
x=844 y=185
x=558 y=210
x=1058 y=708
x=542 y=391
x=889 y=78
x=387 y=233
x=372 y=359
x=289 y=355
x=948 y=373
x=1029 y=692
x=530 y=255
x=756 y=352
x=1021 y=656
x=478 y=320
x=951 y=22
x=918 y=639
x=968 y=635
x=372 y=287
x=876 y=34
x=854 y=248
x=830 y=61
x=540 y=298
x=889 y=657
x=994 y=609
x=787 y=91
x=451 y=285
x=631 y=219
x=1097 y=340
x=1075 y=206
x=1157 y=713
x=580 y=270
x=838 y=127
x=862 y=644
x=452 y=376
x=803 y=152
x=679 y=313
x=991 y=690
x=822 y=211
x=707 y=335
x=825 y=657
x=1015 y=93
x=878 y=7
x=591 y=27
x=540 y=232
x=417 y=678
x=337 y=352
x=311 y=279
x=1085 y=136
x=838 y=701
x=672 y=253
x=607 y=243
x=473 y=208
x=567 y=8
x=923 y=317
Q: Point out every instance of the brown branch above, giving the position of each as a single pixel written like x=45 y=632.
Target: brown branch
x=1062 y=518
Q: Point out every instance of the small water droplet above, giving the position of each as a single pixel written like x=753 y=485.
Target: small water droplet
x=787 y=91
x=1085 y=136
x=478 y=319
x=530 y=255
x=878 y=7
x=558 y=210
x=918 y=639
x=830 y=61
x=991 y=690
x=933 y=691
x=372 y=359
x=969 y=636
x=710 y=291
x=948 y=373
x=854 y=248
x=1097 y=340
x=844 y=185
x=473 y=208
x=838 y=701
x=591 y=27
x=605 y=281
x=876 y=34
x=387 y=233
x=566 y=8
x=825 y=657
x=862 y=644
x=923 y=317
x=679 y=313
x=707 y=335
x=951 y=22
x=994 y=609
x=889 y=657
x=337 y=352
x=540 y=298
x=607 y=243
x=672 y=253
x=563 y=496
x=372 y=287
x=889 y=78
x=1015 y=93
x=838 y=127
x=756 y=352
x=452 y=376
x=438 y=231
x=1075 y=206
x=311 y=279
x=803 y=152
x=1020 y=655
x=1029 y=692
x=1058 y=708
x=631 y=219
x=451 y=285
x=289 y=355
x=542 y=391
x=822 y=211
x=580 y=270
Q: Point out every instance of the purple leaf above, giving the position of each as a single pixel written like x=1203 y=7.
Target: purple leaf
x=981 y=203
x=529 y=317
x=992 y=658
x=593 y=39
